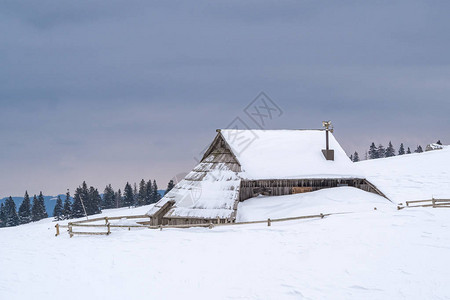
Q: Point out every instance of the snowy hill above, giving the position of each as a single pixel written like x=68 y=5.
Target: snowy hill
x=371 y=254
x=417 y=176
x=362 y=254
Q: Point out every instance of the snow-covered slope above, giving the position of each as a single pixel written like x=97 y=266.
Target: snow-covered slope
x=342 y=199
x=365 y=254
x=382 y=254
x=418 y=176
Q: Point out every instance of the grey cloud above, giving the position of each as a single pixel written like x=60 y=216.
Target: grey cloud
x=113 y=91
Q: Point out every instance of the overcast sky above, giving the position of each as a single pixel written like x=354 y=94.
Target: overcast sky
x=115 y=91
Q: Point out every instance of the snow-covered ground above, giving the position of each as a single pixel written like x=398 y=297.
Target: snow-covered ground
x=417 y=176
x=342 y=199
x=365 y=254
x=382 y=254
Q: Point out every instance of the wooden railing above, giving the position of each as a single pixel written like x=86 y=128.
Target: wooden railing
x=435 y=203
x=108 y=225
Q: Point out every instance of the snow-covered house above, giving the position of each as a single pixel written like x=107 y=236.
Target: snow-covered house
x=241 y=164
x=435 y=146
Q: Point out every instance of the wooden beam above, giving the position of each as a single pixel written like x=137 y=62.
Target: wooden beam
x=89 y=233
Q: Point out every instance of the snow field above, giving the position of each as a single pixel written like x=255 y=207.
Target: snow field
x=365 y=255
x=417 y=176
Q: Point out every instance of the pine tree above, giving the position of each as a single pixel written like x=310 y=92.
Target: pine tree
x=155 y=194
x=128 y=197
x=58 y=210
x=401 y=150
x=439 y=142
x=141 y=194
x=171 y=185
x=42 y=210
x=390 y=151
x=90 y=206
x=381 y=151
x=84 y=194
x=94 y=201
x=108 y=200
x=373 y=152
x=135 y=194
x=25 y=210
x=148 y=192
x=351 y=158
x=419 y=149
x=77 y=206
x=12 y=219
x=355 y=157
x=408 y=151
x=35 y=210
x=67 y=211
x=2 y=215
x=118 y=199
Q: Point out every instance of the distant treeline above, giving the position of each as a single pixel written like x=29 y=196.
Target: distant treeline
x=86 y=201
x=380 y=151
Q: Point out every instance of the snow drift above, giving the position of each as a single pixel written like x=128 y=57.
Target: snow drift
x=417 y=176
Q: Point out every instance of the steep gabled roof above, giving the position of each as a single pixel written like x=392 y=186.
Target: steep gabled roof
x=287 y=154
x=211 y=189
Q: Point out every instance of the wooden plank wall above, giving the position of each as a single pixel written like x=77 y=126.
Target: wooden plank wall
x=186 y=221
x=252 y=188
x=157 y=218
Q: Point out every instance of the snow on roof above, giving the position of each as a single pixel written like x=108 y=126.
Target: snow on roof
x=212 y=194
x=287 y=154
x=431 y=147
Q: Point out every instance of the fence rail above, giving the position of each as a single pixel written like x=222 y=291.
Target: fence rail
x=435 y=203
x=108 y=225
x=111 y=218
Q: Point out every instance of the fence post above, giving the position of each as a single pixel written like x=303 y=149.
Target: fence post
x=269 y=223
x=321 y=215
x=106 y=220
x=109 y=228
x=57 y=229
x=70 y=230
x=433 y=201
x=218 y=220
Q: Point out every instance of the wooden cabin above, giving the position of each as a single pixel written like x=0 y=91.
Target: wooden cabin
x=241 y=164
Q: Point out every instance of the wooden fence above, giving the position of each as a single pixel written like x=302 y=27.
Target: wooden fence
x=108 y=225
x=435 y=203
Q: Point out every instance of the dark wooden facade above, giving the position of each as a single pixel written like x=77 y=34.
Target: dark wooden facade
x=280 y=187
x=186 y=221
